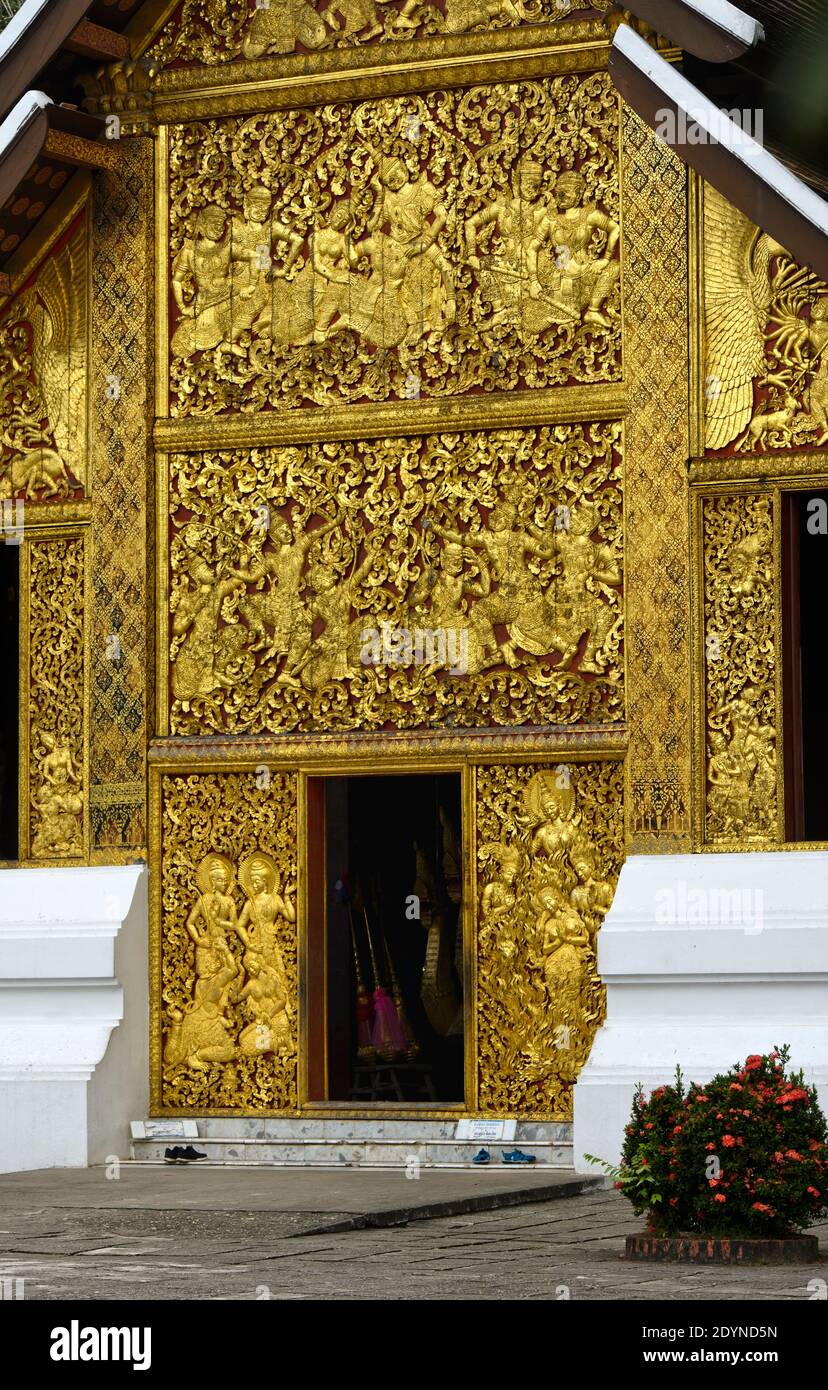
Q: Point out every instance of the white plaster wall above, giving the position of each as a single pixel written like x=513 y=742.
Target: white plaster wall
x=119 y=1088
x=701 y=979
x=60 y=999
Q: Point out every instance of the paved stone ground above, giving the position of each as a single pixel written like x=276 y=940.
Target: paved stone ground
x=225 y=1234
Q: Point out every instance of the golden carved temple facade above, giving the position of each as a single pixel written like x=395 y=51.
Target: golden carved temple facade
x=407 y=443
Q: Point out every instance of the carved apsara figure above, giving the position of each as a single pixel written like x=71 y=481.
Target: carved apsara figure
x=267 y=911
x=213 y=917
x=197 y=657
x=58 y=803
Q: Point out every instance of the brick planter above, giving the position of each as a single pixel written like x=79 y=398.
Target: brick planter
x=792 y=1250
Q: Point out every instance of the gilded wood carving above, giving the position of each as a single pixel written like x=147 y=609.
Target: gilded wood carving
x=203 y=32
x=549 y=851
x=458 y=580
x=425 y=246
x=54 y=693
x=43 y=358
x=121 y=459
x=740 y=669
x=766 y=340
x=657 y=446
x=225 y=1031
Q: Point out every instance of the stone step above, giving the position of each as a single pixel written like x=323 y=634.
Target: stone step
x=300 y=1128
x=376 y=1152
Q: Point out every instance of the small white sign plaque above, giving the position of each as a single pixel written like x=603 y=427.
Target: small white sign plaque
x=492 y=1131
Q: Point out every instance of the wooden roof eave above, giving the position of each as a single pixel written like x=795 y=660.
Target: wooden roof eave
x=713 y=30
x=751 y=178
x=36 y=126
x=37 y=33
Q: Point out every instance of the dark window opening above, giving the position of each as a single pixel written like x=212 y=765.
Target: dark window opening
x=385 y=948
x=9 y=699
x=805 y=664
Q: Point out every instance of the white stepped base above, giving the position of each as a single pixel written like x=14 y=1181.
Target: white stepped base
x=356 y=1144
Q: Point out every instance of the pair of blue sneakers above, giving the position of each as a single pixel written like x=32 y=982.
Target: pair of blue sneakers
x=507 y=1155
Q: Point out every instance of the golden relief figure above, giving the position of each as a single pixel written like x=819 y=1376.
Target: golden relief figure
x=227 y=1032
x=740 y=660
x=766 y=339
x=203 y=33
x=423 y=246
x=550 y=846
x=43 y=353
x=393 y=583
x=55 y=690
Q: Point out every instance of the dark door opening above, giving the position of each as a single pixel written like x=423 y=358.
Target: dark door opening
x=805 y=664
x=9 y=699
x=386 y=1011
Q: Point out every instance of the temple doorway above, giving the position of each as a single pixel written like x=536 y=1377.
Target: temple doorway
x=385 y=959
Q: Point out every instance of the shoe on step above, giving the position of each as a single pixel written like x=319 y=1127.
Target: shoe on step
x=483 y=1156
x=189 y=1155
x=516 y=1156
x=174 y=1155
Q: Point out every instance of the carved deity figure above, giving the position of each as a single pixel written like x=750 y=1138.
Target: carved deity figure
x=563 y=952
x=508 y=544
x=197 y=663
x=499 y=896
x=58 y=802
x=592 y=896
x=742 y=768
x=557 y=621
x=441 y=595
x=266 y=910
x=333 y=258
x=213 y=915
x=512 y=225
x=573 y=277
x=199 y=1033
x=333 y=655
x=410 y=288
x=201 y=285
x=253 y=236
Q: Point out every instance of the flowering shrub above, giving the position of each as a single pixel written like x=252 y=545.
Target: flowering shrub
x=744 y=1155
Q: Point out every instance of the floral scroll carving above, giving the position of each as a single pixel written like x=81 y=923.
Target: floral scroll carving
x=549 y=851
x=740 y=664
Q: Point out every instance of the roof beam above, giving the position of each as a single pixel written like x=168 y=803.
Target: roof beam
x=706 y=139
x=713 y=30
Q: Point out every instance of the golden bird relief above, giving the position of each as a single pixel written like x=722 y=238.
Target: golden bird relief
x=737 y=302
x=43 y=355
